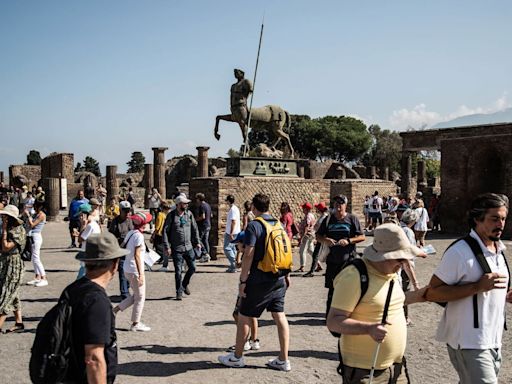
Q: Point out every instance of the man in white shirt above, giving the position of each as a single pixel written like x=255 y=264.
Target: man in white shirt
x=375 y=210
x=473 y=320
x=232 y=229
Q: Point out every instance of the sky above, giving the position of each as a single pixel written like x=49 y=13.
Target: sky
x=107 y=78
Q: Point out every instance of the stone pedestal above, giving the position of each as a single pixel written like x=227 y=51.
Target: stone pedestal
x=148 y=183
x=202 y=161
x=159 y=169
x=111 y=183
x=385 y=173
x=262 y=167
x=52 y=197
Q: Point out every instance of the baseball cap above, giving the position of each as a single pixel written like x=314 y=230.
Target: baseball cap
x=321 y=206
x=182 y=198
x=125 y=204
x=306 y=205
x=341 y=199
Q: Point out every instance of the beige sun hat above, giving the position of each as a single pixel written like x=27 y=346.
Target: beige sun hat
x=390 y=243
x=13 y=211
x=102 y=246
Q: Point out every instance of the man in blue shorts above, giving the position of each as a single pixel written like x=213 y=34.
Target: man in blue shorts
x=259 y=291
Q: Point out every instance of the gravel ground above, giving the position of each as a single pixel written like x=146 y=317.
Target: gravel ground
x=187 y=336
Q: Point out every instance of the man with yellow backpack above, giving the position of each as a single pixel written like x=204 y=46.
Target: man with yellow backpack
x=264 y=279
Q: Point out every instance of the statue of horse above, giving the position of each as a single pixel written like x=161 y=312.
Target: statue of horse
x=272 y=118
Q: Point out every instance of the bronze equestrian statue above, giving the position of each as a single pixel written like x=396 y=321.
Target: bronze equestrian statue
x=271 y=117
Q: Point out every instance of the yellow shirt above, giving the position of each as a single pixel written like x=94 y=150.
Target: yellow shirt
x=159 y=223
x=358 y=350
x=112 y=211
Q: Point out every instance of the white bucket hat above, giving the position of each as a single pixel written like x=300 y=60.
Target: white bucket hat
x=13 y=211
x=390 y=243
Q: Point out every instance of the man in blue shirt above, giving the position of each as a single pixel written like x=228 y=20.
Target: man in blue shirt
x=74 y=219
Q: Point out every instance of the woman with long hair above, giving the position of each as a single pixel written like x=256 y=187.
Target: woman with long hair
x=12 y=241
x=35 y=224
x=287 y=219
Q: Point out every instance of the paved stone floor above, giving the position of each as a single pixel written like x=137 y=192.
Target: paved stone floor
x=187 y=336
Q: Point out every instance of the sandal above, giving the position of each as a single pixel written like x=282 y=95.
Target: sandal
x=18 y=327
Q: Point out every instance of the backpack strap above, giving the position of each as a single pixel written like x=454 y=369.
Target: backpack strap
x=479 y=255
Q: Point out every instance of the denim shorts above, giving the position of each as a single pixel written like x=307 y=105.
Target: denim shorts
x=267 y=295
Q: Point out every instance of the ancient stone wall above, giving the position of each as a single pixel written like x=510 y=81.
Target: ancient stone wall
x=294 y=191
x=471 y=166
x=59 y=165
x=32 y=174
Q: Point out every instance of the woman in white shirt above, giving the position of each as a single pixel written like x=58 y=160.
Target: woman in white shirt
x=420 y=228
x=134 y=271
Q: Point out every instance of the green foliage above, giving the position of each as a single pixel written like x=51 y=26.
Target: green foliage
x=136 y=164
x=79 y=167
x=91 y=165
x=432 y=163
x=233 y=153
x=386 y=150
x=341 y=138
x=34 y=158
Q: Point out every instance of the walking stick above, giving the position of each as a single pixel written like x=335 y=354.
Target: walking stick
x=383 y=322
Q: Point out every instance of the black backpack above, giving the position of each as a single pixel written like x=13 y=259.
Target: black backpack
x=52 y=351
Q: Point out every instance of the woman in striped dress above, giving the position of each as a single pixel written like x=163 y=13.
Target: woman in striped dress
x=12 y=241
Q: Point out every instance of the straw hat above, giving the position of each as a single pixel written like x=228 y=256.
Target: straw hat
x=101 y=246
x=13 y=211
x=390 y=243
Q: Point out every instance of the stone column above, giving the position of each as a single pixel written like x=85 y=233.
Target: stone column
x=159 y=169
x=371 y=172
x=385 y=173
x=406 y=173
x=149 y=182
x=111 y=183
x=422 y=175
x=202 y=161
x=300 y=169
x=52 y=198
x=1 y=176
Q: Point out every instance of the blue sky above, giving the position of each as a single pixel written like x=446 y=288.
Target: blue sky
x=106 y=78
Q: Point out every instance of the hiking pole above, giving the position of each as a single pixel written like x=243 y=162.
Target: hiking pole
x=246 y=139
x=383 y=322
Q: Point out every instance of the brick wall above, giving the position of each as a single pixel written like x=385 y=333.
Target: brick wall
x=470 y=166
x=31 y=172
x=59 y=165
x=294 y=191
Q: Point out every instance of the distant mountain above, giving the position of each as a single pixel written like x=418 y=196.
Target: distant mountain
x=504 y=116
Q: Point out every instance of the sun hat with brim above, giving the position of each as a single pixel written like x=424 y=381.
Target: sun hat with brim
x=390 y=243
x=83 y=208
x=182 y=199
x=13 y=211
x=240 y=237
x=101 y=246
x=94 y=201
x=141 y=218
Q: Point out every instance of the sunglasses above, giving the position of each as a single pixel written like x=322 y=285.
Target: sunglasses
x=183 y=221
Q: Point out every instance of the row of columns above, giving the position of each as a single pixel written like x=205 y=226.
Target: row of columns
x=407 y=173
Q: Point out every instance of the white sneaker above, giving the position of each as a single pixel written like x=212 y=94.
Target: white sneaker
x=163 y=269
x=279 y=365
x=33 y=282
x=140 y=327
x=230 y=360
x=255 y=345
x=41 y=283
x=247 y=345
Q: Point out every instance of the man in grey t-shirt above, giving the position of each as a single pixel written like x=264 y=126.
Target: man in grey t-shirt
x=180 y=237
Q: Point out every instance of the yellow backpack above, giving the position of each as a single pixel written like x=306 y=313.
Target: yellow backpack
x=278 y=248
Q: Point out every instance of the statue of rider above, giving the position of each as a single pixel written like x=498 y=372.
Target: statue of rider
x=240 y=92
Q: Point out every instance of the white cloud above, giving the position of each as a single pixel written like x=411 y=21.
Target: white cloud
x=419 y=117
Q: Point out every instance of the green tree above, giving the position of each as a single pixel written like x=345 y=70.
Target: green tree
x=233 y=153
x=34 y=158
x=341 y=138
x=91 y=165
x=386 y=150
x=79 y=167
x=136 y=164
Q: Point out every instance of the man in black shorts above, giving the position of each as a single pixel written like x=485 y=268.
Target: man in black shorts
x=93 y=322
x=259 y=291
